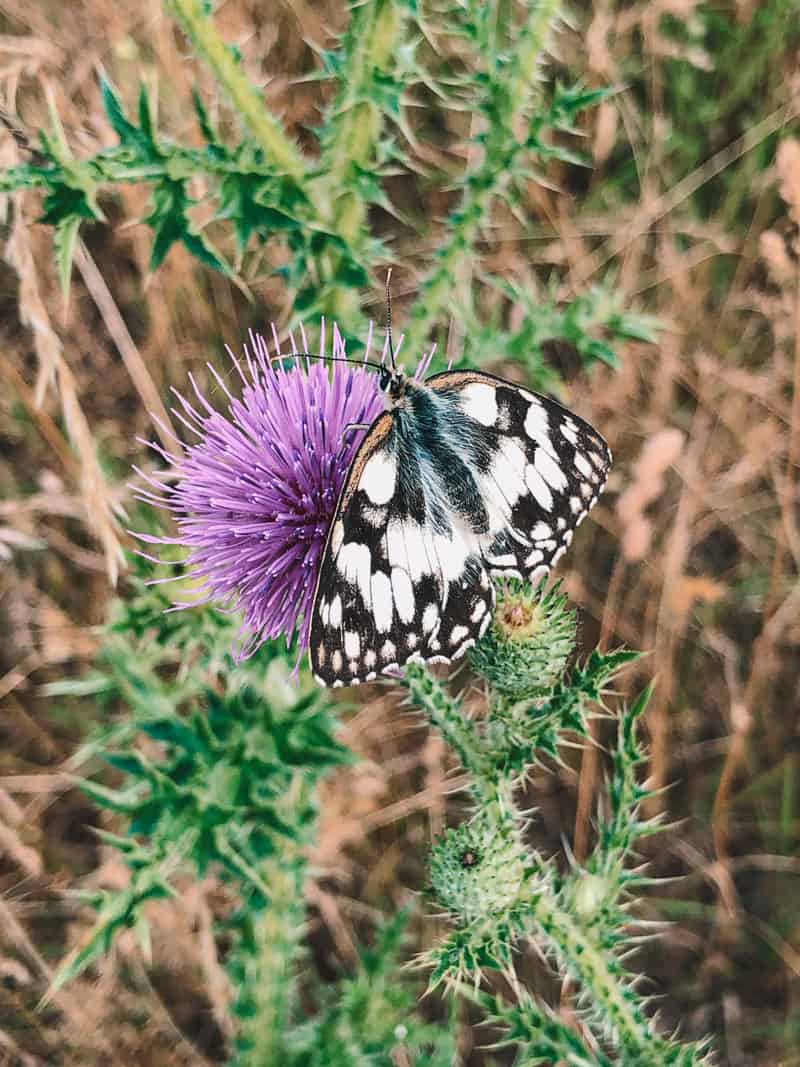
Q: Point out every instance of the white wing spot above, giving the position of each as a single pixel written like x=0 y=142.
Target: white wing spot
x=535 y=557
x=569 y=431
x=541 y=531
x=321 y=654
x=575 y=504
x=403 y=594
x=458 y=634
x=378 y=478
x=375 y=516
x=550 y=470
x=479 y=401
x=335 y=614
x=382 y=601
x=388 y=651
x=405 y=546
x=478 y=611
x=337 y=537
x=507 y=560
x=583 y=466
x=336 y=661
x=352 y=646
x=355 y=563
x=536 y=425
x=539 y=488
x=370 y=658
x=430 y=617
x=412 y=640
x=509 y=475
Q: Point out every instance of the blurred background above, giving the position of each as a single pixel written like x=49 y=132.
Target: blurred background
x=686 y=222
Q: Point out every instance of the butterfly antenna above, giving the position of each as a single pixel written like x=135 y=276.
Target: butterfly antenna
x=389 y=316
x=331 y=359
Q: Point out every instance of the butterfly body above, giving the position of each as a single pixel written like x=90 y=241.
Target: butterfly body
x=464 y=477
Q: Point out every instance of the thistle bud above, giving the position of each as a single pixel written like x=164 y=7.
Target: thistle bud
x=478 y=868
x=531 y=638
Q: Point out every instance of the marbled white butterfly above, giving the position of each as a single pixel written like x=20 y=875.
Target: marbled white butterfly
x=464 y=477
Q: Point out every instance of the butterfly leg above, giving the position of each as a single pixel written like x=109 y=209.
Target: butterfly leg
x=355 y=426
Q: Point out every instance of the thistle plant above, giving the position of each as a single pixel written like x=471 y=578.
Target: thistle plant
x=499 y=891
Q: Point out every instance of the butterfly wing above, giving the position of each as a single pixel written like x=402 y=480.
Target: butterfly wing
x=539 y=468
x=469 y=476
x=399 y=578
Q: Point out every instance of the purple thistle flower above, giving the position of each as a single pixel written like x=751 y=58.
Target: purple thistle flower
x=255 y=493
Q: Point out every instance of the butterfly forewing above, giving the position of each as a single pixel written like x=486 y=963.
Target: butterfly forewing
x=469 y=475
x=546 y=470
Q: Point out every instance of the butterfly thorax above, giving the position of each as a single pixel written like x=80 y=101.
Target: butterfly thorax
x=396 y=385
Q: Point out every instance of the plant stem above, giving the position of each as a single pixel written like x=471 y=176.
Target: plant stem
x=352 y=132
x=510 y=92
x=372 y=39
x=267 y=983
x=271 y=927
x=458 y=731
x=264 y=127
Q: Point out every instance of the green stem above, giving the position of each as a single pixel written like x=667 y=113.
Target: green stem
x=542 y=1035
x=372 y=39
x=613 y=1005
x=267 y=131
x=263 y=966
x=458 y=731
x=351 y=135
x=510 y=94
x=267 y=982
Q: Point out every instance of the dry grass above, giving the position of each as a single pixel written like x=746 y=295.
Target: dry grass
x=694 y=552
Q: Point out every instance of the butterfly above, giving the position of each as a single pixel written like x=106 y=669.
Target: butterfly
x=465 y=477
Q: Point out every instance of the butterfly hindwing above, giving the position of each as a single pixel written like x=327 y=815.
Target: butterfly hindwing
x=393 y=585
x=469 y=476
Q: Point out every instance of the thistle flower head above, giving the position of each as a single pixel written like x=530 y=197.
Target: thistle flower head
x=255 y=492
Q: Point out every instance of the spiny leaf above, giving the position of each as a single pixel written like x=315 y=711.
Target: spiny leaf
x=66 y=234
x=170 y=221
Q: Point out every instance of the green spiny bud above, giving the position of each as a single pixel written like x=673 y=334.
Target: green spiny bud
x=478 y=868
x=531 y=638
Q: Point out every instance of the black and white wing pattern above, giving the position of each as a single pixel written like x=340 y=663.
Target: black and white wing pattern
x=394 y=584
x=469 y=476
x=544 y=472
